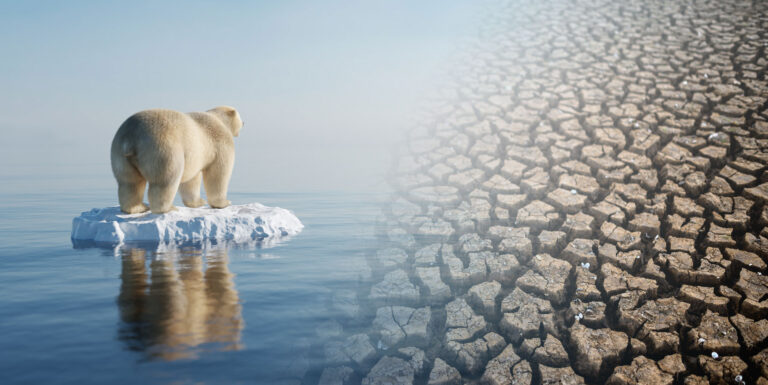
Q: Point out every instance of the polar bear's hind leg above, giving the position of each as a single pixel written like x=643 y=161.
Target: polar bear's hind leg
x=161 y=197
x=130 y=185
x=131 y=195
x=164 y=177
x=190 y=191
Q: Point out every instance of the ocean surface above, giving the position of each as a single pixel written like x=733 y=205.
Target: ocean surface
x=131 y=315
x=326 y=90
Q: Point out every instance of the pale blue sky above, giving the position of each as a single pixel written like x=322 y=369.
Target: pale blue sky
x=322 y=86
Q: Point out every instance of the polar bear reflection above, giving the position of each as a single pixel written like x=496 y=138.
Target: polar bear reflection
x=180 y=305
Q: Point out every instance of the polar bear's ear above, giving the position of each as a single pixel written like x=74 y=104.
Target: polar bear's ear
x=235 y=121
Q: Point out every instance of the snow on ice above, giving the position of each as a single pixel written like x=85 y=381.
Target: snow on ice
x=236 y=223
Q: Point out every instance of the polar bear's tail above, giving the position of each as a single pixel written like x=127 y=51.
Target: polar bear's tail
x=128 y=149
x=123 y=156
x=129 y=154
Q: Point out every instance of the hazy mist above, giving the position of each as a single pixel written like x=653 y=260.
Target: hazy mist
x=324 y=88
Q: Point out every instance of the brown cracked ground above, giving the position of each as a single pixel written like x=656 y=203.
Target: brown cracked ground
x=588 y=204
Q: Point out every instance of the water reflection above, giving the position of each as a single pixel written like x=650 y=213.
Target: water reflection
x=170 y=247
x=174 y=305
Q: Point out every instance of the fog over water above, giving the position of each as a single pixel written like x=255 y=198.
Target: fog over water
x=324 y=88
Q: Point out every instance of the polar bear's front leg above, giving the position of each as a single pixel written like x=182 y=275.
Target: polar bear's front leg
x=190 y=191
x=216 y=179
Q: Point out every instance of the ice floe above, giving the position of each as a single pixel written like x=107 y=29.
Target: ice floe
x=246 y=223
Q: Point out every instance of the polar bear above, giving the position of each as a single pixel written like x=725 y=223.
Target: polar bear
x=173 y=151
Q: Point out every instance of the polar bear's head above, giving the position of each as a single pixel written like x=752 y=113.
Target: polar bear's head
x=230 y=117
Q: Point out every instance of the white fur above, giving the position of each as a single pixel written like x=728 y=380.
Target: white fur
x=174 y=151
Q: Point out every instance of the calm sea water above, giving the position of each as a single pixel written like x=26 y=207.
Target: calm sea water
x=127 y=316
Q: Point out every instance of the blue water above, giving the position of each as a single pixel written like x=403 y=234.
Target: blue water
x=325 y=89
x=128 y=316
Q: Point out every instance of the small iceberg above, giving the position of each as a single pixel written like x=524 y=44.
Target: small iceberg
x=246 y=223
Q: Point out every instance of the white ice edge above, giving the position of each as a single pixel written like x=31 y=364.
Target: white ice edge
x=237 y=223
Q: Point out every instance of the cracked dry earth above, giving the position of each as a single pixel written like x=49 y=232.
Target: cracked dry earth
x=588 y=203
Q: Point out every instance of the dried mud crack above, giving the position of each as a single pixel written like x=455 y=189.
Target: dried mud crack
x=587 y=204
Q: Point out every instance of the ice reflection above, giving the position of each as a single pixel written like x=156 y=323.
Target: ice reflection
x=175 y=304
x=170 y=247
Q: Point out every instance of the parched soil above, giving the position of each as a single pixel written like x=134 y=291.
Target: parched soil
x=587 y=204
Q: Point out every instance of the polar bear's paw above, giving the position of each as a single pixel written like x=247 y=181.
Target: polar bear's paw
x=195 y=204
x=137 y=209
x=220 y=205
